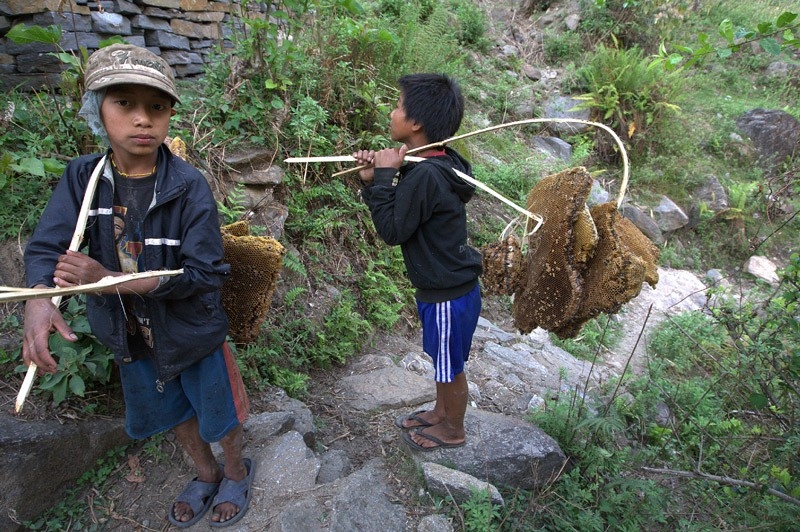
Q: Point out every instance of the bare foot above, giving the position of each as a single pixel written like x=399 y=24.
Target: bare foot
x=225 y=511
x=182 y=511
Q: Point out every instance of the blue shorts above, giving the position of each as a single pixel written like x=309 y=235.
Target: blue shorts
x=211 y=389
x=447 y=330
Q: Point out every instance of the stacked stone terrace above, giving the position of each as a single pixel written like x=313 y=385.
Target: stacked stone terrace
x=183 y=32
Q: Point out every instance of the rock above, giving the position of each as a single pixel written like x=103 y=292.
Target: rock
x=335 y=465
x=434 y=523
x=40 y=461
x=775 y=134
x=445 y=482
x=387 y=388
x=553 y=147
x=501 y=450
x=644 y=223
x=564 y=107
x=762 y=268
x=669 y=216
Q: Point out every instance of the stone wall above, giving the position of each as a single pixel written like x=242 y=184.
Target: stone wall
x=181 y=31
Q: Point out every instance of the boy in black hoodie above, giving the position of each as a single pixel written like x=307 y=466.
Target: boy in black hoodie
x=422 y=208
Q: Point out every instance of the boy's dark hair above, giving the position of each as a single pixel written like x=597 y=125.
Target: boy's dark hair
x=435 y=102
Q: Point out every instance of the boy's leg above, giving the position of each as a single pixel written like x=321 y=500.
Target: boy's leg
x=214 y=386
x=200 y=452
x=451 y=398
x=208 y=468
x=235 y=469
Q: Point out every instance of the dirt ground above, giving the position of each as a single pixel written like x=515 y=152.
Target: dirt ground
x=143 y=481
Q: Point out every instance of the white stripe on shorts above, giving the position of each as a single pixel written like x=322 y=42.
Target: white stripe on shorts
x=443 y=318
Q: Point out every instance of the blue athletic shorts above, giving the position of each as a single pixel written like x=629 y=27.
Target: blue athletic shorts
x=447 y=330
x=212 y=389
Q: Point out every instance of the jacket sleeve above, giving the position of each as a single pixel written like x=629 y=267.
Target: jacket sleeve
x=398 y=211
x=55 y=228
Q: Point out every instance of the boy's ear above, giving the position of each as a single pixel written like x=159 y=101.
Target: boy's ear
x=172 y=111
x=416 y=126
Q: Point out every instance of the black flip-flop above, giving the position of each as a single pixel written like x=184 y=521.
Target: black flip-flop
x=439 y=443
x=414 y=416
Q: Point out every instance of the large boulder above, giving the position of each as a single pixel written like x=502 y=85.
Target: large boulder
x=501 y=450
x=40 y=461
x=774 y=133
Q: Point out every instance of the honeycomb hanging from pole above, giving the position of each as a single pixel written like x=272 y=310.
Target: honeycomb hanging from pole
x=503 y=265
x=556 y=253
x=255 y=264
x=582 y=262
x=623 y=260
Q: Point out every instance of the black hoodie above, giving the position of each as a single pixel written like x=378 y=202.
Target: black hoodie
x=425 y=213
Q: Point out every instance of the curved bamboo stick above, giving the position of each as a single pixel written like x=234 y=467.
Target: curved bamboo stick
x=77 y=237
x=623 y=151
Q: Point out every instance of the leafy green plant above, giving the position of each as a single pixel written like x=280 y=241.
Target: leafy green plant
x=597 y=333
x=152 y=448
x=562 y=47
x=480 y=515
x=625 y=92
x=83 y=365
x=43 y=132
x=342 y=335
x=386 y=292
x=233 y=209
x=773 y=37
x=593 y=493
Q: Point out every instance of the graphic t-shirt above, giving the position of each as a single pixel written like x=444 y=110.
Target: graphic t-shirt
x=132 y=198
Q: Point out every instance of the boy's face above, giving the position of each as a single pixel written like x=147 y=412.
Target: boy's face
x=136 y=118
x=401 y=127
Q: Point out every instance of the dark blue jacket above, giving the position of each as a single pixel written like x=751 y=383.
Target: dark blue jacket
x=181 y=230
x=425 y=214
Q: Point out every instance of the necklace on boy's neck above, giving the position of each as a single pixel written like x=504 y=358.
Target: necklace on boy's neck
x=130 y=176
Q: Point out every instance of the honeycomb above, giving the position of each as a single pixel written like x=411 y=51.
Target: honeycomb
x=178 y=147
x=255 y=264
x=551 y=290
x=623 y=259
x=503 y=267
x=579 y=264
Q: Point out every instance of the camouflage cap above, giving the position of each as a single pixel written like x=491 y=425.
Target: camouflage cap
x=125 y=63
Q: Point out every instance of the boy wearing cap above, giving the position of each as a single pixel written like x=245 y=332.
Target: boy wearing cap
x=151 y=211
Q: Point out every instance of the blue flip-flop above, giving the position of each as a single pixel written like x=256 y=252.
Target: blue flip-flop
x=199 y=496
x=237 y=493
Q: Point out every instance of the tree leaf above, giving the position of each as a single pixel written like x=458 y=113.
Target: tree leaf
x=24 y=34
x=770 y=45
x=785 y=19
x=30 y=165
x=759 y=400
x=726 y=30
x=77 y=386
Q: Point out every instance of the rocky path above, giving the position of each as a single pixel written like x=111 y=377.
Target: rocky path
x=335 y=460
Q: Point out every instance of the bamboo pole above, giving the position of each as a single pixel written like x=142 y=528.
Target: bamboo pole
x=9 y=294
x=617 y=140
x=77 y=237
